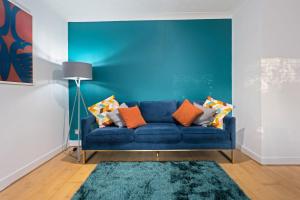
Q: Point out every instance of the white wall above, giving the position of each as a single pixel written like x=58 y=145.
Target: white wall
x=247 y=49
x=281 y=82
x=34 y=118
x=266 y=79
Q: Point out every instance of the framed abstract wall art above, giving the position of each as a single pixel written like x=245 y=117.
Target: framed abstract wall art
x=16 y=64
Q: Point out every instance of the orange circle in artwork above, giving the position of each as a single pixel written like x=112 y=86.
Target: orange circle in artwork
x=24 y=26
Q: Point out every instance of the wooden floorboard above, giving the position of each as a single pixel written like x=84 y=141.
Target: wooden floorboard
x=60 y=177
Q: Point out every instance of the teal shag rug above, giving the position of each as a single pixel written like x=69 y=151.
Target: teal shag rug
x=159 y=181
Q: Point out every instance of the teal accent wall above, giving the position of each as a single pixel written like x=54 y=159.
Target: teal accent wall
x=153 y=60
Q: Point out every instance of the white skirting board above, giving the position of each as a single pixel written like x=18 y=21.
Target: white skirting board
x=14 y=176
x=280 y=160
x=251 y=153
x=270 y=160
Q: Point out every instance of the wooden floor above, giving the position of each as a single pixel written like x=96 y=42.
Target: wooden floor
x=62 y=176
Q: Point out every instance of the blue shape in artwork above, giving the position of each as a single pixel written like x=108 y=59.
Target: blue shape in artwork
x=4 y=60
x=14 y=33
x=22 y=61
x=4 y=56
x=5 y=27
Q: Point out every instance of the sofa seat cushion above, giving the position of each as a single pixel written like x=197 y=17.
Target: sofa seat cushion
x=157 y=133
x=199 y=134
x=110 y=135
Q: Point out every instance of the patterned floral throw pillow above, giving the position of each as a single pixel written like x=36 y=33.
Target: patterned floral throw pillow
x=222 y=109
x=100 y=110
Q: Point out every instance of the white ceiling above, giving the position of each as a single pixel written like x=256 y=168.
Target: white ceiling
x=103 y=10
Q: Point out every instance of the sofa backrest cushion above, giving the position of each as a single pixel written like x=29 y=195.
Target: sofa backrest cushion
x=196 y=101
x=158 y=111
x=132 y=103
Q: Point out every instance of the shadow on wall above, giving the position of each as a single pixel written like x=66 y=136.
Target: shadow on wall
x=61 y=97
x=50 y=75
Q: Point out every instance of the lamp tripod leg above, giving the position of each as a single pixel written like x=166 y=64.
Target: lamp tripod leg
x=77 y=100
x=71 y=120
x=78 y=121
x=84 y=104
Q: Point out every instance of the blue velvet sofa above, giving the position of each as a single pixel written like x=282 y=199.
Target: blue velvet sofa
x=161 y=133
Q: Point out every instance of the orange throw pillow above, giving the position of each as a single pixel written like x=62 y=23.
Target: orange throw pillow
x=187 y=113
x=132 y=117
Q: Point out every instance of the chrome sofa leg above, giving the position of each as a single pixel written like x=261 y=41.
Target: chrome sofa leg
x=157 y=155
x=86 y=157
x=229 y=158
x=83 y=156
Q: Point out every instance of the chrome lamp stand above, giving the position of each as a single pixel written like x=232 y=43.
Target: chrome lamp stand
x=78 y=99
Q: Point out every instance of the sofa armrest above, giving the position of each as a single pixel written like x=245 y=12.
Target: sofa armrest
x=229 y=123
x=87 y=125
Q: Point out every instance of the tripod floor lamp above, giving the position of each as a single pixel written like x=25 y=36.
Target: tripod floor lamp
x=77 y=71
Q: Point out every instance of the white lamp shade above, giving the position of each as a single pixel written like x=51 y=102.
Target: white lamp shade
x=77 y=71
